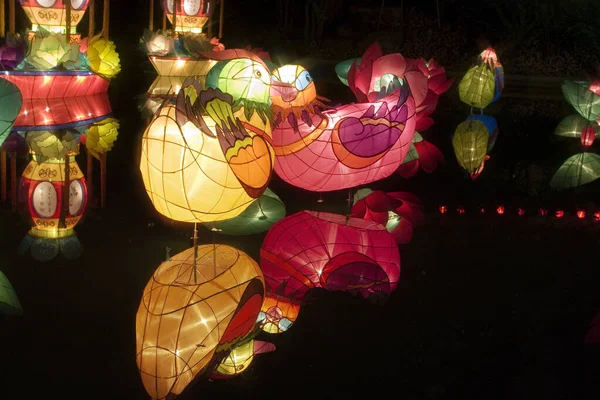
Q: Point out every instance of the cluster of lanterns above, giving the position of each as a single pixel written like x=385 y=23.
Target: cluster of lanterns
x=520 y=211
x=53 y=97
x=207 y=157
x=474 y=138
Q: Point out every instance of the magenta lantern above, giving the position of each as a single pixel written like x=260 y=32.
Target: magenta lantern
x=311 y=249
x=191 y=14
x=52 y=14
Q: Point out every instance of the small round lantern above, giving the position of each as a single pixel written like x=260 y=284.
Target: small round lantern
x=51 y=15
x=191 y=15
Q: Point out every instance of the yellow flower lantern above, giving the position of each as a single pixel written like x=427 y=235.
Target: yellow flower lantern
x=191 y=15
x=103 y=57
x=194 y=311
x=51 y=15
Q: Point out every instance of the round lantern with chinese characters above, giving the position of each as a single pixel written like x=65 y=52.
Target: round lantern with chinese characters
x=44 y=184
x=51 y=15
x=191 y=15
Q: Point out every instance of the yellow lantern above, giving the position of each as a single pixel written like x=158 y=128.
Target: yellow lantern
x=194 y=311
x=51 y=15
x=197 y=171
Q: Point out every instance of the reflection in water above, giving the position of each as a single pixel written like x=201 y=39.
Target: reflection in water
x=62 y=81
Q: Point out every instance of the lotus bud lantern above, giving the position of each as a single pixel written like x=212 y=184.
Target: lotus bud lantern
x=51 y=15
x=191 y=15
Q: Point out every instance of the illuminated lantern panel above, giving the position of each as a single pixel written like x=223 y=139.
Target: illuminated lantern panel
x=577 y=170
x=470 y=142
x=500 y=210
x=240 y=358
x=175 y=66
x=585 y=101
x=588 y=135
x=310 y=249
x=44 y=182
x=191 y=15
x=10 y=106
x=580 y=214
x=278 y=314
x=9 y=302
x=477 y=87
x=559 y=213
x=443 y=209
x=52 y=85
x=51 y=15
x=192 y=313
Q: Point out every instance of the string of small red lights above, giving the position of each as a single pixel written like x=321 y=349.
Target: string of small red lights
x=542 y=212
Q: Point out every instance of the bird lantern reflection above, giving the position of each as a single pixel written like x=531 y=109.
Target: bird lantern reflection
x=191 y=15
x=196 y=310
x=51 y=15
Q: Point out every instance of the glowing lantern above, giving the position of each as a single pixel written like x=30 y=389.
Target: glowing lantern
x=588 y=135
x=193 y=312
x=597 y=216
x=330 y=251
x=10 y=105
x=422 y=155
x=470 y=142
x=103 y=57
x=51 y=15
x=56 y=193
x=482 y=210
x=500 y=210
x=559 y=213
x=339 y=148
x=9 y=302
x=581 y=214
x=577 y=170
x=278 y=314
x=257 y=218
x=520 y=211
x=477 y=87
x=240 y=358
x=443 y=209
x=490 y=124
x=191 y=15
x=203 y=168
x=460 y=210
x=585 y=101
x=543 y=212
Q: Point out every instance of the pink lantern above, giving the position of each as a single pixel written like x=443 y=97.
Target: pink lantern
x=340 y=148
x=588 y=135
x=310 y=249
x=191 y=15
x=52 y=15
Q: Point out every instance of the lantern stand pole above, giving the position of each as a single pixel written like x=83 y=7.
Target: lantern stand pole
x=214 y=230
x=164 y=22
x=2 y=19
x=11 y=16
x=3 y=177
x=68 y=18
x=90 y=174
x=92 y=18
x=102 y=180
x=151 y=17
x=13 y=181
x=175 y=4
x=195 y=238
x=106 y=19
x=349 y=201
x=221 y=18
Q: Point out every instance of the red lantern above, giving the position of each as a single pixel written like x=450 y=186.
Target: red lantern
x=520 y=211
x=580 y=214
x=52 y=14
x=597 y=216
x=559 y=213
x=588 y=135
x=543 y=212
x=500 y=210
x=460 y=210
x=443 y=209
x=482 y=210
x=44 y=184
x=191 y=15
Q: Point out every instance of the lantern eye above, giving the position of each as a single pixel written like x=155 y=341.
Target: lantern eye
x=303 y=80
x=257 y=74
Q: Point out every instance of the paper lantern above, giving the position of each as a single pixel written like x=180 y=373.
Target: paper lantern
x=179 y=66
x=56 y=84
x=278 y=313
x=490 y=124
x=310 y=249
x=470 y=142
x=190 y=16
x=9 y=302
x=195 y=170
x=103 y=57
x=478 y=86
x=51 y=15
x=585 y=101
x=193 y=311
x=257 y=218
x=339 y=148
x=399 y=212
x=422 y=156
x=577 y=170
x=240 y=358
x=50 y=50
x=101 y=136
x=10 y=105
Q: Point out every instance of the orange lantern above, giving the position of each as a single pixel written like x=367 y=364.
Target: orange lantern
x=597 y=216
x=443 y=209
x=500 y=210
x=191 y=15
x=51 y=15
x=559 y=213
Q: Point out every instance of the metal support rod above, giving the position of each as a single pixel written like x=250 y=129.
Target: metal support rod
x=68 y=10
x=221 y=18
x=3 y=175
x=92 y=18
x=195 y=238
x=106 y=19
x=2 y=19
x=13 y=182
x=151 y=16
x=164 y=22
x=174 y=22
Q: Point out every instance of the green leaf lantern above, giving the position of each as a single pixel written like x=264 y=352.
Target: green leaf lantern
x=257 y=218
x=342 y=68
x=577 y=170
x=470 y=142
x=10 y=106
x=573 y=125
x=9 y=302
x=477 y=87
x=585 y=101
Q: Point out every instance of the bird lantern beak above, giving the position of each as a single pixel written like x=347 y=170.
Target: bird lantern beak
x=286 y=91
